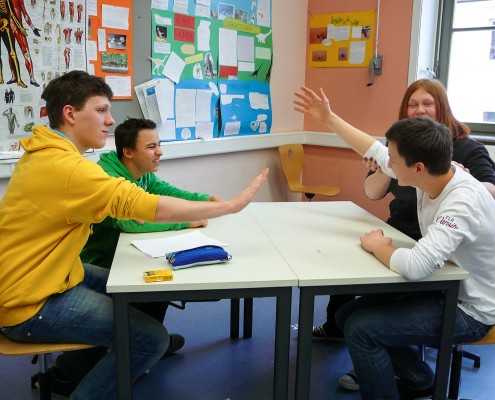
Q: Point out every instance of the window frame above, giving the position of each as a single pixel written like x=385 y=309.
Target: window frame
x=482 y=131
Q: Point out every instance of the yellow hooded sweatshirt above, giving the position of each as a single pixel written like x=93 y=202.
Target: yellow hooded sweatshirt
x=53 y=197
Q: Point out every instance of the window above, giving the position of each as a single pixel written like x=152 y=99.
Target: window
x=466 y=63
x=492 y=47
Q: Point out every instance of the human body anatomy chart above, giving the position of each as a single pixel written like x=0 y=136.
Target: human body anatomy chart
x=40 y=40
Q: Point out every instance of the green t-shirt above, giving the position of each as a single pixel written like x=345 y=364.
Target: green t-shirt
x=100 y=247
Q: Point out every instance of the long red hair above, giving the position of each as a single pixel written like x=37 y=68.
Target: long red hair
x=444 y=114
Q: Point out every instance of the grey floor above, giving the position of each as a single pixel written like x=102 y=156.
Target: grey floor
x=213 y=367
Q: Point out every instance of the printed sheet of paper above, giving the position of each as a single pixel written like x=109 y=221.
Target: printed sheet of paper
x=159 y=247
x=114 y=17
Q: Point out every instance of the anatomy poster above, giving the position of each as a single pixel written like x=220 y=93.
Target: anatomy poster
x=342 y=39
x=213 y=62
x=40 y=40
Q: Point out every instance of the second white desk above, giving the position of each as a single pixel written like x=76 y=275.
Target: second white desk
x=320 y=242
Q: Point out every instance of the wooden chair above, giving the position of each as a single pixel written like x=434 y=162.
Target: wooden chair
x=456 y=367
x=292 y=159
x=11 y=348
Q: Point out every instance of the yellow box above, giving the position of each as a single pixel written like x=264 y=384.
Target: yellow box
x=158 y=275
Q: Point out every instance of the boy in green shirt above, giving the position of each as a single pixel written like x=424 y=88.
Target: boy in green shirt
x=136 y=158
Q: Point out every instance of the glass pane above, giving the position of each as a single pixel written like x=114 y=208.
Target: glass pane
x=471 y=81
x=474 y=13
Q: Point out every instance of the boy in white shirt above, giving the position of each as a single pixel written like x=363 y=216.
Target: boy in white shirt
x=457 y=220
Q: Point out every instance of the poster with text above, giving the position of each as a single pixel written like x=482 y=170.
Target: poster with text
x=110 y=45
x=342 y=39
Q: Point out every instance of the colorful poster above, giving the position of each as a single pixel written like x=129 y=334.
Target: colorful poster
x=342 y=39
x=218 y=58
x=40 y=40
x=110 y=45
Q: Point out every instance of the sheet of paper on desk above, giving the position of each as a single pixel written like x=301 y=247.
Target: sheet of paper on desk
x=158 y=247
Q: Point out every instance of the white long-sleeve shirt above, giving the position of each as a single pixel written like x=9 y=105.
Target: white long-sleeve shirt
x=458 y=225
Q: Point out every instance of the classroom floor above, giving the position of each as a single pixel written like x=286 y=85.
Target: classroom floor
x=213 y=367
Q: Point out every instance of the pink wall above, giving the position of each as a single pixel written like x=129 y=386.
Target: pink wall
x=372 y=109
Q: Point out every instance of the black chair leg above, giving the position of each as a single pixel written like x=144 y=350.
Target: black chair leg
x=471 y=356
x=455 y=373
x=234 y=318
x=248 y=318
x=45 y=392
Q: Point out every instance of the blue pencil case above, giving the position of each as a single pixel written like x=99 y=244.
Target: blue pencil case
x=203 y=255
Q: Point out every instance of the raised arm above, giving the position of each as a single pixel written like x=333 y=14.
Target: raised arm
x=171 y=209
x=317 y=107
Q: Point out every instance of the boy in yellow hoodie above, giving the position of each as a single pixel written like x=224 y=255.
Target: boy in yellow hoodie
x=54 y=195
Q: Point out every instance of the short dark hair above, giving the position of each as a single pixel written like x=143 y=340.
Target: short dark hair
x=127 y=132
x=423 y=140
x=73 y=88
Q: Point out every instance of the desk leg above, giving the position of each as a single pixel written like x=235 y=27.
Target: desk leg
x=248 y=318
x=446 y=341
x=234 y=318
x=282 y=344
x=303 y=365
x=122 y=346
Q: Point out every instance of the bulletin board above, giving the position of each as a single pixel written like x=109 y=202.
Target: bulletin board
x=214 y=64
x=109 y=45
x=342 y=39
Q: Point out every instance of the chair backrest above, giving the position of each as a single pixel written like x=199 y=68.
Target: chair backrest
x=292 y=159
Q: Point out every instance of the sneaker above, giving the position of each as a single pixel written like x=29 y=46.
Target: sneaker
x=59 y=388
x=176 y=343
x=408 y=393
x=350 y=381
x=320 y=334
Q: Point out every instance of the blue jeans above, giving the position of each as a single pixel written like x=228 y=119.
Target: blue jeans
x=379 y=330
x=84 y=314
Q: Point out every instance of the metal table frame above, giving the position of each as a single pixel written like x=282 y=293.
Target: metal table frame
x=283 y=295
x=306 y=310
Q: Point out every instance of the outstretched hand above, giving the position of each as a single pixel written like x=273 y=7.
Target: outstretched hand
x=172 y=209
x=314 y=105
x=246 y=196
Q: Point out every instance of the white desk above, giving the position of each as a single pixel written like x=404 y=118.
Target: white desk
x=256 y=270
x=320 y=242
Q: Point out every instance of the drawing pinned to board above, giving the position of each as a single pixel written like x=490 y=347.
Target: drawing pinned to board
x=209 y=65
x=113 y=62
x=157 y=68
x=161 y=33
x=117 y=41
x=259 y=125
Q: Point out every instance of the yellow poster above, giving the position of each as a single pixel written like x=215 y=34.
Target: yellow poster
x=342 y=39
